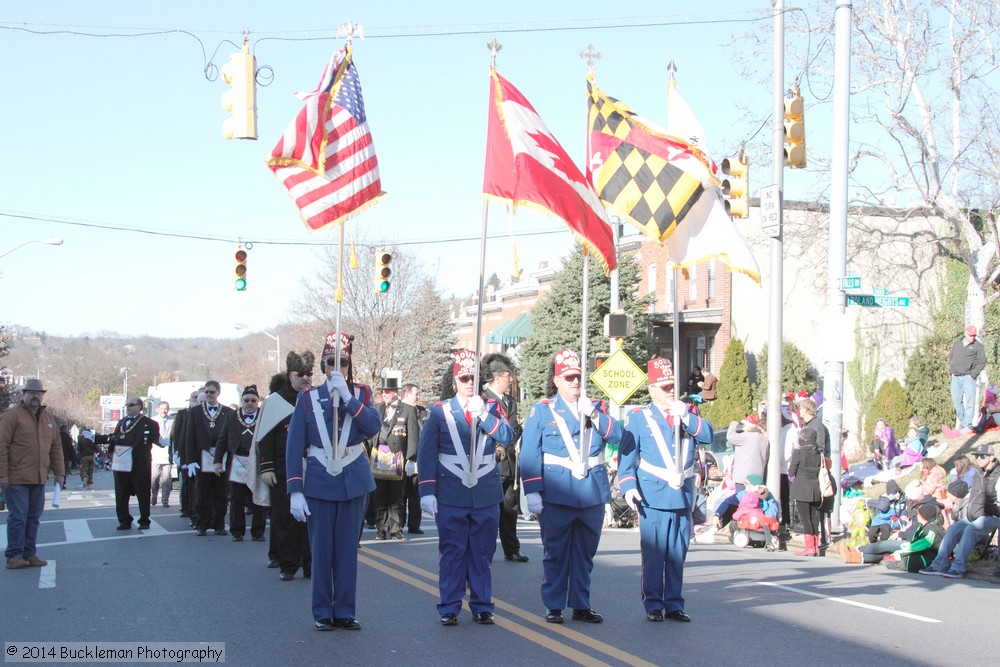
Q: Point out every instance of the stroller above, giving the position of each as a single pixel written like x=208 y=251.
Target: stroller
x=746 y=533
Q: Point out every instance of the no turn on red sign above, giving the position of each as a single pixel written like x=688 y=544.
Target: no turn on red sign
x=618 y=377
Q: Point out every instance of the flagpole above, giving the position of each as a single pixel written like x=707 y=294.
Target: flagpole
x=671 y=84
x=339 y=298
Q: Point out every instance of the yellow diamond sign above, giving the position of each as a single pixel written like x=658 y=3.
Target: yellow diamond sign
x=618 y=377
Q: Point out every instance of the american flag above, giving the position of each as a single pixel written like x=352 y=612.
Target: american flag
x=326 y=159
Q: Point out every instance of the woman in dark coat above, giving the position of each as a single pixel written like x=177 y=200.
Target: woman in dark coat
x=804 y=471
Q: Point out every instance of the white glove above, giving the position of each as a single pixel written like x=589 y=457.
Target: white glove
x=585 y=406
x=299 y=507
x=679 y=410
x=477 y=407
x=340 y=386
x=269 y=478
x=193 y=469
x=429 y=504
x=535 y=504
x=633 y=497
x=411 y=468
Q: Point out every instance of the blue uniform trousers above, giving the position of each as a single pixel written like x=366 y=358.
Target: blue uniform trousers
x=333 y=538
x=664 y=536
x=467 y=540
x=570 y=536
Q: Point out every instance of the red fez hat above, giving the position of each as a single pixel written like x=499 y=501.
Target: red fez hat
x=567 y=361
x=330 y=345
x=659 y=371
x=465 y=363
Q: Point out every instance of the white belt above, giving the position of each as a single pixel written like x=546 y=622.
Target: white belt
x=567 y=462
x=666 y=474
x=350 y=453
x=454 y=462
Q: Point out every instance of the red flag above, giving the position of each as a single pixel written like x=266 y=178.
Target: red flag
x=525 y=165
x=326 y=158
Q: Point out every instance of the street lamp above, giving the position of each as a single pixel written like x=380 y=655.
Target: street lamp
x=275 y=337
x=49 y=241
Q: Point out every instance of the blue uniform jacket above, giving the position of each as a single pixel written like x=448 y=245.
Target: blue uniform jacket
x=435 y=479
x=303 y=432
x=554 y=482
x=638 y=445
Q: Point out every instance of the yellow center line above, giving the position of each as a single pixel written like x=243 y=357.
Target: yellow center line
x=566 y=633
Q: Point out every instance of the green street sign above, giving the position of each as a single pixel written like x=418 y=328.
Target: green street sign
x=872 y=301
x=850 y=282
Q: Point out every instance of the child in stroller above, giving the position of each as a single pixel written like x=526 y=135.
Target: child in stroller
x=753 y=521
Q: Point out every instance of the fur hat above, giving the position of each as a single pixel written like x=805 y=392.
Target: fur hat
x=295 y=363
x=250 y=390
x=495 y=362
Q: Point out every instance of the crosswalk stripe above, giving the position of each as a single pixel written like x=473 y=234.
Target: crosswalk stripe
x=47 y=575
x=77 y=530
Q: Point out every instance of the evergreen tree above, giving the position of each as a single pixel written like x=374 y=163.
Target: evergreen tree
x=862 y=371
x=797 y=372
x=4 y=385
x=429 y=340
x=734 y=400
x=556 y=320
x=893 y=405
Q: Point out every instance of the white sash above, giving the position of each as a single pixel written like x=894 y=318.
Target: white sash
x=122 y=459
x=458 y=463
x=238 y=473
x=567 y=462
x=579 y=466
x=669 y=473
x=351 y=453
x=334 y=460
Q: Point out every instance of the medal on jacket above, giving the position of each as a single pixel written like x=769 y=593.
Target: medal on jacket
x=211 y=419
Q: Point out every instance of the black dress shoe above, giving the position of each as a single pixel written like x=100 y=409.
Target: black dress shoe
x=143 y=526
x=587 y=616
x=449 y=619
x=307 y=572
x=380 y=535
x=324 y=624
x=483 y=618
x=185 y=515
x=273 y=563
x=415 y=531
x=347 y=623
x=257 y=538
x=124 y=526
x=286 y=576
x=517 y=557
x=553 y=616
x=678 y=616
x=655 y=615
x=221 y=532
x=202 y=532
x=237 y=538
x=398 y=536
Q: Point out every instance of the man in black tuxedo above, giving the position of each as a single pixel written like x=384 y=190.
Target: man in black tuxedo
x=206 y=430
x=499 y=373
x=397 y=440
x=131 y=444
x=178 y=439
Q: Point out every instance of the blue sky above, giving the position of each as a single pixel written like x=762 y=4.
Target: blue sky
x=126 y=132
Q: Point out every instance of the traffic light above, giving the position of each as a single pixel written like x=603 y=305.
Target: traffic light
x=241 y=98
x=240 y=270
x=595 y=361
x=382 y=270
x=736 y=188
x=795 y=130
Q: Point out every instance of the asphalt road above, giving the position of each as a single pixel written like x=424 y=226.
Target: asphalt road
x=749 y=607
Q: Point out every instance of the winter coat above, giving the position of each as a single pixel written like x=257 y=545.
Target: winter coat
x=29 y=446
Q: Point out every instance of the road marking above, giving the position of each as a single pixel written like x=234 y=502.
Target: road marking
x=47 y=575
x=77 y=530
x=566 y=633
x=852 y=603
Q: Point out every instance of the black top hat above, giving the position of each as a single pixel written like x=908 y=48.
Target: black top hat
x=390 y=384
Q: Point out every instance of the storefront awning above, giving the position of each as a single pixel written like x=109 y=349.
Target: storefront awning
x=519 y=329
x=494 y=338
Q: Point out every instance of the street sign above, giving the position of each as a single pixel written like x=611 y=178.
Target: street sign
x=850 y=282
x=873 y=301
x=770 y=210
x=880 y=291
x=618 y=377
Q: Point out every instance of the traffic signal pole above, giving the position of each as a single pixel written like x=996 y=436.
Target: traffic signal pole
x=776 y=275
x=833 y=374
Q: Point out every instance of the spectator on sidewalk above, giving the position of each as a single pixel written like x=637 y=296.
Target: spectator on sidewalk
x=966 y=361
x=983 y=518
x=69 y=453
x=751 y=450
x=88 y=451
x=883 y=447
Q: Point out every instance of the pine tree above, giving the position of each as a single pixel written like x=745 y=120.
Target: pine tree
x=734 y=400
x=797 y=372
x=430 y=339
x=556 y=319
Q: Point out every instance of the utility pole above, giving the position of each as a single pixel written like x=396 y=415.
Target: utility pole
x=833 y=374
x=775 y=334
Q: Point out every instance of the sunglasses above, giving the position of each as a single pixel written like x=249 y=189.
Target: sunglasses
x=250 y=399
x=465 y=378
x=344 y=362
x=134 y=405
x=571 y=378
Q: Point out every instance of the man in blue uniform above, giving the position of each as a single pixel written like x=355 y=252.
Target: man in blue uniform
x=566 y=485
x=649 y=479
x=463 y=498
x=331 y=498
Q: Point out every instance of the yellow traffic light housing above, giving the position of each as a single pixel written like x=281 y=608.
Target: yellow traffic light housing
x=241 y=98
x=382 y=270
x=736 y=188
x=795 y=130
x=240 y=270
